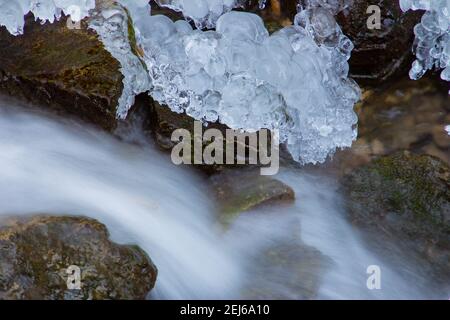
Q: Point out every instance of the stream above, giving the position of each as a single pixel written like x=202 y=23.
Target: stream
x=59 y=166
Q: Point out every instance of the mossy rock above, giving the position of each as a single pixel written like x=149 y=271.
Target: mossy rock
x=407 y=197
x=36 y=252
x=237 y=191
x=65 y=69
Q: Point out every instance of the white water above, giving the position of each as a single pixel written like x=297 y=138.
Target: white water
x=61 y=167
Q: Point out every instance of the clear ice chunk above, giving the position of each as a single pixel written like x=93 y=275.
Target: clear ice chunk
x=204 y=13
x=111 y=21
x=294 y=81
x=12 y=12
x=432 y=42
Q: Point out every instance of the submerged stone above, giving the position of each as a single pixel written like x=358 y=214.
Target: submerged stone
x=241 y=190
x=287 y=270
x=399 y=115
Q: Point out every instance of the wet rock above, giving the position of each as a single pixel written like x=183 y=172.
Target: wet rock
x=65 y=69
x=287 y=271
x=172 y=14
x=379 y=53
x=162 y=122
x=276 y=14
x=241 y=190
x=36 y=252
x=406 y=198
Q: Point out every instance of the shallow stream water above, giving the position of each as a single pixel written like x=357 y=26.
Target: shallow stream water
x=55 y=166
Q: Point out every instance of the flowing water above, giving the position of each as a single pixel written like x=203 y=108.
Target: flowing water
x=54 y=166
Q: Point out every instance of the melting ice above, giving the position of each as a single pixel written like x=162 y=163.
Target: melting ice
x=111 y=21
x=432 y=44
x=12 y=11
x=295 y=80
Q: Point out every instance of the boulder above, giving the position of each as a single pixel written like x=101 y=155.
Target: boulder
x=37 y=253
x=379 y=53
x=405 y=198
x=65 y=69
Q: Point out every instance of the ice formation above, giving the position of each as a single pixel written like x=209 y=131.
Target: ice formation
x=204 y=13
x=111 y=21
x=432 y=44
x=295 y=80
x=12 y=11
x=334 y=6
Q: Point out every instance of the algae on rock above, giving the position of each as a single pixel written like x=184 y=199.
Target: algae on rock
x=65 y=69
x=36 y=252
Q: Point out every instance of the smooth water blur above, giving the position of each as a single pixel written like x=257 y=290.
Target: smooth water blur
x=324 y=226
x=49 y=166
x=52 y=166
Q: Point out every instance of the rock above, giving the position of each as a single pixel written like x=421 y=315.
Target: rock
x=162 y=122
x=241 y=190
x=287 y=270
x=379 y=53
x=276 y=14
x=66 y=69
x=36 y=252
x=172 y=14
x=405 y=115
x=405 y=197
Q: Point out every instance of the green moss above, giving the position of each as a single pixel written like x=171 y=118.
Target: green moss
x=66 y=69
x=406 y=194
x=410 y=184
